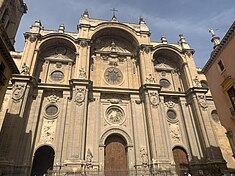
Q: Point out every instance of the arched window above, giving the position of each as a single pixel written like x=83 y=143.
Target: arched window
x=181 y=161
x=115 y=156
x=43 y=160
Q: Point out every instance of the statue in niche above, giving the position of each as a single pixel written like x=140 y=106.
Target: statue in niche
x=25 y=70
x=150 y=79
x=144 y=157
x=82 y=73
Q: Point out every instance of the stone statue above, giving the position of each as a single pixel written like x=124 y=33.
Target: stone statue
x=25 y=69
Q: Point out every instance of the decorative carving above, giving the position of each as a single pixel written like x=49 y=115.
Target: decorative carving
x=170 y=104
x=174 y=132
x=144 y=157
x=48 y=131
x=115 y=101
x=60 y=50
x=82 y=73
x=89 y=157
x=114 y=115
x=202 y=102
x=18 y=92
x=83 y=43
x=150 y=79
x=196 y=81
x=53 y=98
x=79 y=96
x=145 y=49
x=24 y=70
x=58 y=64
x=113 y=75
x=154 y=98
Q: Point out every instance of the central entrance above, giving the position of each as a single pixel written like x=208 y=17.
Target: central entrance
x=115 y=156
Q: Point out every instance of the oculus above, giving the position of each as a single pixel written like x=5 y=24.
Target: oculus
x=51 y=110
x=57 y=75
x=171 y=114
x=113 y=76
x=164 y=83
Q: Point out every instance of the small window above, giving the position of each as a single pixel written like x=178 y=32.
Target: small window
x=231 y=94
x=57 y=76
x=221 y=65
x=164 y=83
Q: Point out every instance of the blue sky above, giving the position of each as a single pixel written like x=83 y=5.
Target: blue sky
x=192 y=18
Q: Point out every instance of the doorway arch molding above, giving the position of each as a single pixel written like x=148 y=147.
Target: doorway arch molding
x=115 y=131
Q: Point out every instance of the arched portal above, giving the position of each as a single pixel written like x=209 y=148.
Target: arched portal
x=181 y=161
x=43 y=160
x=115 y=156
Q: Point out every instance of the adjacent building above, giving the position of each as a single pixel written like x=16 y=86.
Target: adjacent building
x=11 y=12
x=220 y=73
x=107 y=100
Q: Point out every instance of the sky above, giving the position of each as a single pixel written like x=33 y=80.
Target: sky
x=170 y=18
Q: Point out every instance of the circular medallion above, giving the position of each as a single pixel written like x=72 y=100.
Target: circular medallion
x=113 y=76
x=51 y=110
x=164 y=83
x=79 y=97
x=114 y=115
x=171 y=114
x=57 y=75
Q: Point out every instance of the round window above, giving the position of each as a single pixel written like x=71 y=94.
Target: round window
x=113 y=75
x=171 y=114
x=51 y=110
x=164 y=83
x=57 y=75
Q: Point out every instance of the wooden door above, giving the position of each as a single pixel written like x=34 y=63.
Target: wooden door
x=181 y=161
x=115 y=157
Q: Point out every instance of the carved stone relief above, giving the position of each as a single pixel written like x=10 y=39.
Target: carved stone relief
x=154 y=99
x=82 y=73
x=174 y=132
x=89 y=159
x=83 y=43
x=79 y=96
x=115 y=115
x=202 y=102
x=170 y=101
x=48 y=132
x=150 y=78
x=53 y=98
x=144 y=157
x=18 y=92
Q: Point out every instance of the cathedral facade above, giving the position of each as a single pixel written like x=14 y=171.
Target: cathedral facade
x=106 y=100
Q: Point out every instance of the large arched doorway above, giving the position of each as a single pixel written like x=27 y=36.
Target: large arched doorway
x=115 y=156
x=43 y=160
x=181 y=161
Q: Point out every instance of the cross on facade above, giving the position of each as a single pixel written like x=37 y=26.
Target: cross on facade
x=113 y=10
